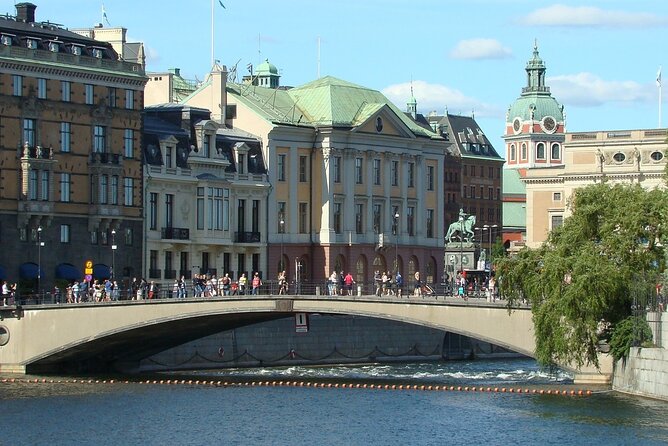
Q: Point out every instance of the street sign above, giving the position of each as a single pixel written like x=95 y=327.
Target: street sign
x=88 y=268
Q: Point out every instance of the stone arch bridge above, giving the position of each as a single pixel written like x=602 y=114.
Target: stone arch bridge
x=115 y=336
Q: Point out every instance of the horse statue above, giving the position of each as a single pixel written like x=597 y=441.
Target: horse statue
x=464 y=229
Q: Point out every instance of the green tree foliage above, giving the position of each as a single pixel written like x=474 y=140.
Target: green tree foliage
x=585 y=270
x=631 y=331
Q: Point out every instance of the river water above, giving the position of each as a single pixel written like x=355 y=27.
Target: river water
x=247 y=413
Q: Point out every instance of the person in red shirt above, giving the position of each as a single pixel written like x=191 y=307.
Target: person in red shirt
x=348 y=282
x=256 y=283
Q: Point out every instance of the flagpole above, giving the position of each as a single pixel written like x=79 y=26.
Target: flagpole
x=659 y=84
x=212 y=41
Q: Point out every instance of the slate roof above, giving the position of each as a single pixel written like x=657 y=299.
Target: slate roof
x=467 y=136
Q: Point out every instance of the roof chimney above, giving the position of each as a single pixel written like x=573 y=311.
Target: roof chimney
x=25 y=12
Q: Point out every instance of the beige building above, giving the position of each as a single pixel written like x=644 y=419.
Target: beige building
x=627 y=156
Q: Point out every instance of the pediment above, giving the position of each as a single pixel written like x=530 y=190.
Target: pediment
x=379 y=119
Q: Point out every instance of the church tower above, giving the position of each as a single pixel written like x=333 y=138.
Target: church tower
x=535 y=123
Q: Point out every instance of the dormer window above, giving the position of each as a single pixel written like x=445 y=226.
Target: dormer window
x=76 y=50
x=31 y=43
x=54 y=47
x=97 y=52
x=6 y=40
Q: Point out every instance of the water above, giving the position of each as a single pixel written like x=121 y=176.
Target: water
x=154 y=414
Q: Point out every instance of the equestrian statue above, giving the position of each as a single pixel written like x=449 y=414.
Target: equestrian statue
x=463 y=227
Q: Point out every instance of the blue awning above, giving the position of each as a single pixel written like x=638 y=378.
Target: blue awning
x=3 y=275
x=28 y=270
x=101 y=271
x=67 y=271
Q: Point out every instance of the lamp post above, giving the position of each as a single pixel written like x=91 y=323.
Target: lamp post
x=113 y=253
x=40 y=243
x=491 y=229
x=280 y=263
x=396 y=243
x=461 y=244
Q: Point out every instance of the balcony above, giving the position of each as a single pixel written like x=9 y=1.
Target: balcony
x=104 y=158
x=247 y=237
x=154 y=274
x=170 y=274
x=175 y=234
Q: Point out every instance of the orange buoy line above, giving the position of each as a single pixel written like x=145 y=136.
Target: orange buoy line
x=422 y=387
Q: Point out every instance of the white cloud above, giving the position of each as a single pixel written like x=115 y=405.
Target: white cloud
x=588 y=16
x=589 y=90
x=480 y=49
x=436 y=97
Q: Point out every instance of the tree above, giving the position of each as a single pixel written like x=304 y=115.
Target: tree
x=584 y=272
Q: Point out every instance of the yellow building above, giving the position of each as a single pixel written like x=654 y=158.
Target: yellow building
x=70 y=170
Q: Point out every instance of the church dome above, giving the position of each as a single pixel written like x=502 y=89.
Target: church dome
x=536 y=102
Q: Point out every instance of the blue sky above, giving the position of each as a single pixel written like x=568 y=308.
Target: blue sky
x=602 y=56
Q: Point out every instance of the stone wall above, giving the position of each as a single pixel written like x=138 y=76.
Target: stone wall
x=645 y=371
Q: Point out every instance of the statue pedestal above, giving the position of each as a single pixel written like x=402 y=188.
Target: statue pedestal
x=459 y=256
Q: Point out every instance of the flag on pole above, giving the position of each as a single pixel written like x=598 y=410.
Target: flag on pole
x=221 y=4
x=104 y=15
x=658 y=77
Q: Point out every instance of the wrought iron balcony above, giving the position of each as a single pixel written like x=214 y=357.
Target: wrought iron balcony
x=154 y=274
x=175 y=234
x=247 y=237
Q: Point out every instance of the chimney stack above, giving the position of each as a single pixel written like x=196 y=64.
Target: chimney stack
x=25 y=12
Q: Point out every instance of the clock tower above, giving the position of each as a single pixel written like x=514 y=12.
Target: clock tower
x=535 y=123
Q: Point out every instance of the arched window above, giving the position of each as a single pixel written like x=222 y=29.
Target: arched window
x=379 y=263
x=556 y=151
x=524 y=151
x=339 y=263
x=540 y=151
x=513 y=154
x=413 y=266
x=360 y=269
x=431 y=270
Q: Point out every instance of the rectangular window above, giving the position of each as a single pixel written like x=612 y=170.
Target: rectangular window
x=41 y=88
x=129 y=143
x=281 y=217
x=482 y=192
x=376 y=172
x=358 y=171
x=45 y=185
x=466 y=170
x=17 y=85
x=113 y=188
x=153 y=260
x=169 y=210
x=128 y=191
x=281 y=167
x=556 y=196
x=395 y=220
x=303 y=169
x=104 y=187
x=65 y=179
x=498 y=193
x=241 y=165
x=411 y=174
x=89 y=92
x=482 y=172
x=377 y=218
x=337 y=218
x=303 y=218
x=557 y=220
x=111 y=97
x=168 y=261
x=200 y=208
x=93 y=238
x=410 y=220
x=337 y=169
x=168 y=157
x=472 y=194
x=129 y=99
x=64 y=233
x=65 y=136
x=99 y=139
x=66 y=91
x=206 y=146
x=255 y=216
x=490 y=172
x=153 y=211
x=359 y=218
x=29 y=132
x=395 y=173
x=430 y=223
x=128 y=237
x=226 y=209
x=430 y=177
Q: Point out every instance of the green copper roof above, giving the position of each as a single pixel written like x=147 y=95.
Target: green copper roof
x=536 y=102
x=266 y=68
x=512 y=184
x=327 y=101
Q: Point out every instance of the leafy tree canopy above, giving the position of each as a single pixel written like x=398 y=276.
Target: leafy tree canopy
x=585 y=270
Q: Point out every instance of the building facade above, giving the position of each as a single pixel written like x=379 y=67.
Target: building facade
x=355 y=184
x=69 y=155
x=206 y=196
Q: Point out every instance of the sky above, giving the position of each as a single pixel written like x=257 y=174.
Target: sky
x=602 y=56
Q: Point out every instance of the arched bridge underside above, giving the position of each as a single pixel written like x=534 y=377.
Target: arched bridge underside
x=115 y=336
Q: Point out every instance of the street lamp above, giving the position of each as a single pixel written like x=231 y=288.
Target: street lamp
x=396 y=243
x=280 y=263
x=40 y=243
x=491 y=229
x=113 y=252
x=461 y=244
